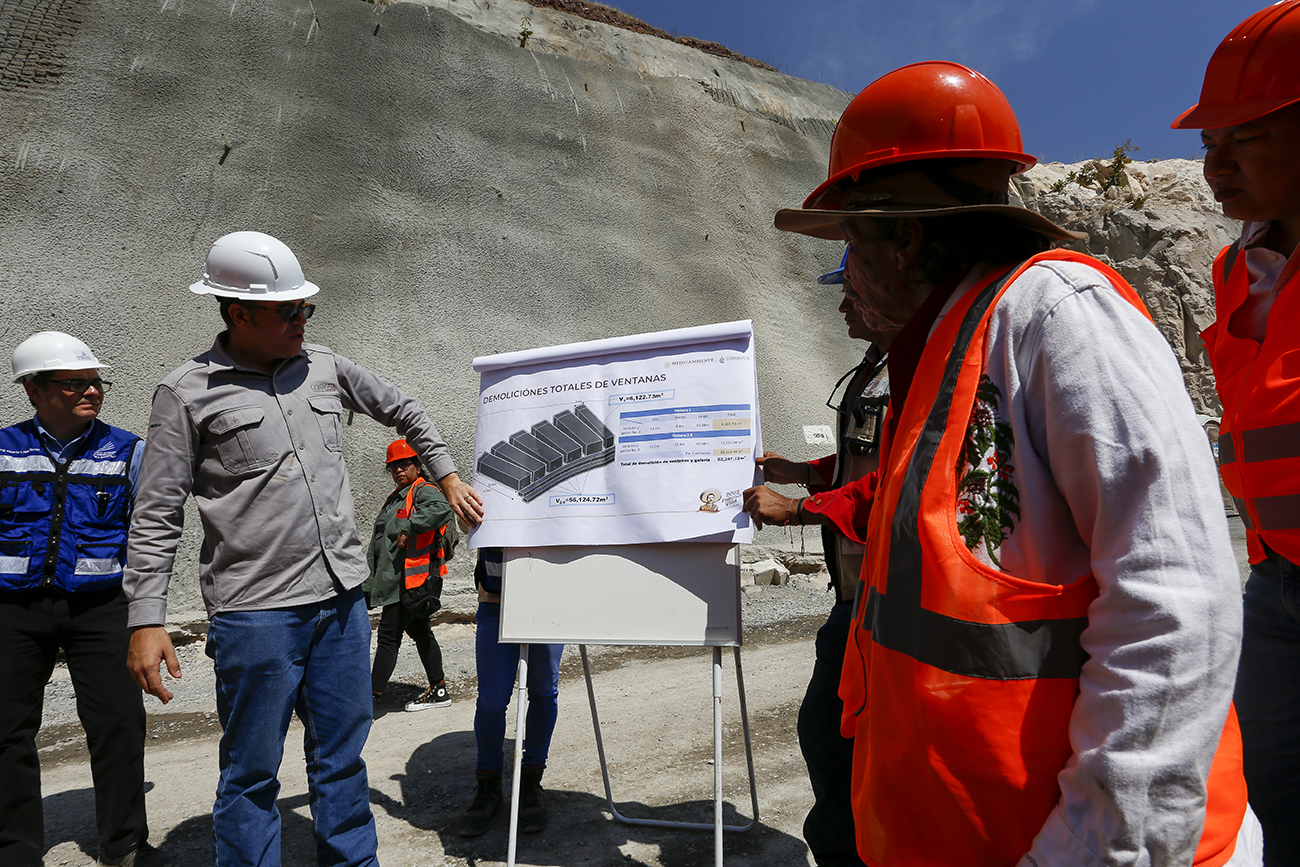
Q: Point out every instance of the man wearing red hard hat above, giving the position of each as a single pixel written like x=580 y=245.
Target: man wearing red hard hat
x=1249 y=117
x=1045 y=640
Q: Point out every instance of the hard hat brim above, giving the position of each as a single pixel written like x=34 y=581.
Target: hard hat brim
x=306 y=290
x=1219 y=116
x=826 y=224
x=836 y=277
x=1021 y=162
x=24 y=375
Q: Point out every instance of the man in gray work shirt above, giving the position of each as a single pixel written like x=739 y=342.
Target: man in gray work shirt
x=252 y=429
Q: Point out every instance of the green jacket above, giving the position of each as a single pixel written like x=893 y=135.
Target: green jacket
x=385 y=558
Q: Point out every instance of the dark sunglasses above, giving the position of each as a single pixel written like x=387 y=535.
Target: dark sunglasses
x=287 y=312
x=81 y=386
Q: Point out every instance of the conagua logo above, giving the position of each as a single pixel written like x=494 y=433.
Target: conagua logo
x=107 y=450
x=324 y=386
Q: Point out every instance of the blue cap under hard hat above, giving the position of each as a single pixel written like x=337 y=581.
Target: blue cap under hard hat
x=835 y=277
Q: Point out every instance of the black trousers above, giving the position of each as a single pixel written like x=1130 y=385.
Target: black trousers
x=1268 y=704
x=829 y=755
x=393 y=621
x=91 y=630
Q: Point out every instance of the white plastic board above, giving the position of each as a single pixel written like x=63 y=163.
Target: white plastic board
x=663 y=594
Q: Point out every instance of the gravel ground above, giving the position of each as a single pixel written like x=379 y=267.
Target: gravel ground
x=656 y=719
x=762 y=608
x=655 y=709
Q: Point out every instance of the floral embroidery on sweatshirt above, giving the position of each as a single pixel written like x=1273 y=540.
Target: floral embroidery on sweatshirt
x=988 y=503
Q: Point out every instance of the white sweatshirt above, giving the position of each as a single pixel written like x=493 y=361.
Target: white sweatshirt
x=1115 y=477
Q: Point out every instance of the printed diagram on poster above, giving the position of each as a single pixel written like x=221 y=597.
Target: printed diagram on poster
x=632 y=440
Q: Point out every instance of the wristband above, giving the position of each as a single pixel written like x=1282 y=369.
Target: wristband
x=792 y=508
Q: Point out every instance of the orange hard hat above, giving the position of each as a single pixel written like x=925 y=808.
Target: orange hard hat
x=948 y=142
x=1254 y=71
x=930 y=110
x=399 y=450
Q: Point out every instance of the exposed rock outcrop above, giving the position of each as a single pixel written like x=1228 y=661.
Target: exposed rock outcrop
x=1162 y=233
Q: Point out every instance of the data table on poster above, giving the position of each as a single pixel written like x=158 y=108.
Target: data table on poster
x=719 y=432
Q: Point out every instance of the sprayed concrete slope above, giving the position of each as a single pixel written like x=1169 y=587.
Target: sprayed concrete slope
x=453 y=194
x=457 y=195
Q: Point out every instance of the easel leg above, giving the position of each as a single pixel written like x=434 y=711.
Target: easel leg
x=749 y=749
x=716 y=826
x=717 y=756
x=595 y=722
x=521 y=700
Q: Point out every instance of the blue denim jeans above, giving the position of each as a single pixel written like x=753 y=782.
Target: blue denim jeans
x=1268 y=704
x=497 y=665
x=313 y=660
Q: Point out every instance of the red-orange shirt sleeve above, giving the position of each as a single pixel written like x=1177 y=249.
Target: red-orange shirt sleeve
x=847 y=507
x=824 y=468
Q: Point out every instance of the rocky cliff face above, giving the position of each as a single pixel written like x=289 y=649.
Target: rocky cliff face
x=1161 y=232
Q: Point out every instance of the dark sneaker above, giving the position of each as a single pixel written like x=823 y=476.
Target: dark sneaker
x=434 y=696
x=487 y=803
x=532 y=806
x=145 y=856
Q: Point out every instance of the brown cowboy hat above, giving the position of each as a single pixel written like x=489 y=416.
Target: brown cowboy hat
x=920 y=188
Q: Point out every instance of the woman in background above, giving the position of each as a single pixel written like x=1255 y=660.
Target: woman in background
x=419 y=516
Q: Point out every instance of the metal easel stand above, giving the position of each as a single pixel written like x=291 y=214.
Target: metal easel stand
x=521 y=701
x=716 y=825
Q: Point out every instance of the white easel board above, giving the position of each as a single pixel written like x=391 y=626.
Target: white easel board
x=671 y=593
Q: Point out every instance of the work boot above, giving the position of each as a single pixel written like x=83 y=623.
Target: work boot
x=532 y=808
x=144 y=856
x=487 y=801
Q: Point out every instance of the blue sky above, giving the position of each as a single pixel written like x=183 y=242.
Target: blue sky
x=1082 y=75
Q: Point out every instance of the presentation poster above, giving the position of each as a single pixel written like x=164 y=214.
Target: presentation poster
x=631 y=440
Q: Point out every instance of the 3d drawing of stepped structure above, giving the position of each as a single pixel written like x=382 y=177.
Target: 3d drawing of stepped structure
x=535 y=460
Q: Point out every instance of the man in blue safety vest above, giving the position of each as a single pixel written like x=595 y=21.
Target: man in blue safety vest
x=67 y=482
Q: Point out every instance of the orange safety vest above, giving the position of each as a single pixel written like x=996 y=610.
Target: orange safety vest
x=1259 y=385
x=960 y=679
x=420 y=550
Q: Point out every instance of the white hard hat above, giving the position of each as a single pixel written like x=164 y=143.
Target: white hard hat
x=254 y=266
x=52 y=350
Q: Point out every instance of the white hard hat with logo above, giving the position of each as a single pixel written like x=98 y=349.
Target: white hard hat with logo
x=253 y=266
x=52 y=350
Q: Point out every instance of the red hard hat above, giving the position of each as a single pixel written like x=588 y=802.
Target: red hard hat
x=930 y=110
x=398 y=450
x=1255 y=70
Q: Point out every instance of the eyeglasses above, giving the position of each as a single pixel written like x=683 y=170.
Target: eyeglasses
x=81 y=386
x=287 y=312
x=398 y=466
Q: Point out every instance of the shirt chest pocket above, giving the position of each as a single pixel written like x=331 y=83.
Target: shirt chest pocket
x=241 y=439
x=26 y=501
x=329 y=415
